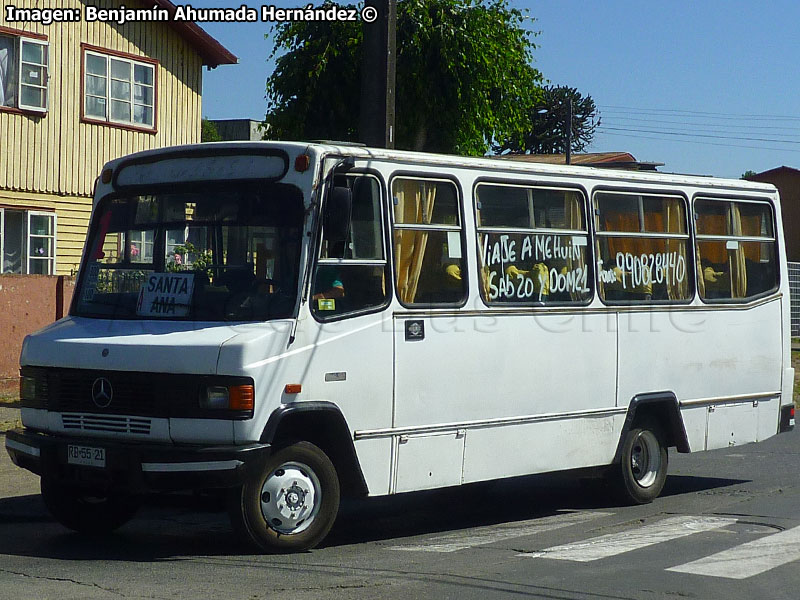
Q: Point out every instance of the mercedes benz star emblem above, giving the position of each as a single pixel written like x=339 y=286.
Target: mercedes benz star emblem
x=102 y=392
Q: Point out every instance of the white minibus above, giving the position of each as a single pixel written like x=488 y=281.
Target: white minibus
x=296 y=322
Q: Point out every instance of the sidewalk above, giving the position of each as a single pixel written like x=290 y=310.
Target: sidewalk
x=13 y=480
x=9 y=418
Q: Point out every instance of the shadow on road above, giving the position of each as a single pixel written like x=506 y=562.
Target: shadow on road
x=174 y=527
x=486 y=504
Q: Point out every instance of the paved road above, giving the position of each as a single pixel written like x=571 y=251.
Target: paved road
x=726 y=528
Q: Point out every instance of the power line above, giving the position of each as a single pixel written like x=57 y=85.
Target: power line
x=703 y=142
x=701 y=125
x=701 y=135
x=720 y=115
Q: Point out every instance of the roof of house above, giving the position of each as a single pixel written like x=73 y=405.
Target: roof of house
x=612 y=160
x=210 y=50
x=758 y=176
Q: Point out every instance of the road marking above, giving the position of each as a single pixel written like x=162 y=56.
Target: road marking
x=481 y=536
x=748 y=559
x=625 y=541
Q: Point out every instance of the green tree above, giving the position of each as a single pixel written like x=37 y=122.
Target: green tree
x=748 y=174
x=208 y=132
x=464 y=77
x=547 y=123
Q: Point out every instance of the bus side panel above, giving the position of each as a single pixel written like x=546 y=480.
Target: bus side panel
x=695 y=422
x=541 y=447
x=473 y=368
x=723 y=360
x=468 y=371
x=349 y=363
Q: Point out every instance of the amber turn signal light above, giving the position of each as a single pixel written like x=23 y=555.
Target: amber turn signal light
x=293 y=388
x=241 y=397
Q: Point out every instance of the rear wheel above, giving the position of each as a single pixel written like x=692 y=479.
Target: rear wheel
x=85 y=511
x=643 y=465
x=291 y=504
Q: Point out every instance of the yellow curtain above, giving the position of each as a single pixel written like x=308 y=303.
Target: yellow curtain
x=751 y=227
x=483 y=239
x=573 y=216
x=673 y=217
x=701 y=282
x=414 y=205
x=736 y=259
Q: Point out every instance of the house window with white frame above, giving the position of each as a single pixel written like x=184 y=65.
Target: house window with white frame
x=119 y=90
x=23 y=72
x=27 y=242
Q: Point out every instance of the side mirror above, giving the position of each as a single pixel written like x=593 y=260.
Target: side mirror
x=338 y=210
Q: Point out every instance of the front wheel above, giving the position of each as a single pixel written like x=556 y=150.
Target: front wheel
x=643 y=465
x=291 y=504
x=84 y=511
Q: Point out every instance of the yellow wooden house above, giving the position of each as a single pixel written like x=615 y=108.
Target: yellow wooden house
x=75 y=94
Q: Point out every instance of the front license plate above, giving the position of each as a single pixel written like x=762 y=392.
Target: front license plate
x=86 y=456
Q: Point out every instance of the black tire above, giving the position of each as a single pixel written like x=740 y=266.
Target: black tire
x=84 y=511
x=291 y=504
x=642 y=470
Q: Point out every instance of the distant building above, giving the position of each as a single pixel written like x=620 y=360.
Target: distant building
x=607 y=160
x=231 y=130
x=787 y=180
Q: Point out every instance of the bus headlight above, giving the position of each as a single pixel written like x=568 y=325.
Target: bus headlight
x=215 y=397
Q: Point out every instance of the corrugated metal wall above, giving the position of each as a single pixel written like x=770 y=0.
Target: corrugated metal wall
x=50 y=162
x=794 y=292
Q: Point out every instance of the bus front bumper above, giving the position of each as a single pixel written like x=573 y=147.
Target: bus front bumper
x=132 y=466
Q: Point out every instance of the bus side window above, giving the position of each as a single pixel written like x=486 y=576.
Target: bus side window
x=735 y=249
x=430 y=265
x=533 y=244
x=642 y=244
x=350 y=276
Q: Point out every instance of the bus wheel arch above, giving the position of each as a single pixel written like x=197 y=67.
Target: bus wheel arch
x=321 y=424
x=652 y=425
x=661 y=408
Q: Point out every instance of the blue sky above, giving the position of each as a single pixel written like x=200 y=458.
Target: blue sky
x=706 y=87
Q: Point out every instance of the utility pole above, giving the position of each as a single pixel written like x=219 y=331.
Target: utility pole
x=378 y=67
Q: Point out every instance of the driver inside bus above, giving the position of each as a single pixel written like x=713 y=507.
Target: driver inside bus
x=327 y=284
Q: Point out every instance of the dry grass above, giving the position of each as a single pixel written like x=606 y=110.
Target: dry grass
x=9 y=399
x=796 y=365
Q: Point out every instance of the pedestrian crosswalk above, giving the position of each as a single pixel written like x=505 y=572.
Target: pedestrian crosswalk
x=612 y=544
x=728 y=560
x=749 y=559
x=481 y=536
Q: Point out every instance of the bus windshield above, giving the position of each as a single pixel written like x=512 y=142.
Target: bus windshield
x=215 y=254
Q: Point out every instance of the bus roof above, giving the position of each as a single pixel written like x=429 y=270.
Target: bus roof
x=488 y=163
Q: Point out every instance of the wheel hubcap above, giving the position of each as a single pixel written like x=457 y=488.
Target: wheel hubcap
x=645 y=458
x=290 y=498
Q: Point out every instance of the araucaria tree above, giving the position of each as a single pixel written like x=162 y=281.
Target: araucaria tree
x=547 y=124
x=464 y=77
